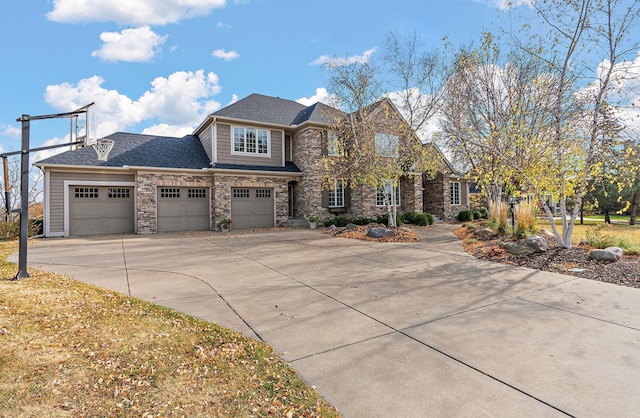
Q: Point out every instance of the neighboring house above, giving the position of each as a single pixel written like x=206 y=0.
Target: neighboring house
x=254 y=161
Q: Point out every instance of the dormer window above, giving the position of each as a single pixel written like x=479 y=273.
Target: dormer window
x=251 y=141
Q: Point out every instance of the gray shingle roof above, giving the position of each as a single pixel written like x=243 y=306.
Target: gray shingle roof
x=288 y=168
x=320 y=113
x=137 y=150
x=141 y=151
x=260 y=108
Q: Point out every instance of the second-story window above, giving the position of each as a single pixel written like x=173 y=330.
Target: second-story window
x=250 y=140
x=386 y=145
x=333 y=146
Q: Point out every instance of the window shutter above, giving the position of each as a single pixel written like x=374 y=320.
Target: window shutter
x=325 y=198
x=347 y=197
x=324 y=135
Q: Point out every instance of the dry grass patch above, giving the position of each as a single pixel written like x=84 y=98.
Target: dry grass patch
x=70 y=349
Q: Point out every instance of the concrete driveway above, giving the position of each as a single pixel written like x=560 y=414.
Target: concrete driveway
x=390 y=330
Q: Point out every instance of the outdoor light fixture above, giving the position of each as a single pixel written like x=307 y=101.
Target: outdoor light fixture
x=512 y=205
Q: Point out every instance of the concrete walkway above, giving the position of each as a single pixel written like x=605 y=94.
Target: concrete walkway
x=390 y=330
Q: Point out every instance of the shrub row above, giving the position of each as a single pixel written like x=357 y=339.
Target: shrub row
x=467 y=215
x=412 y=218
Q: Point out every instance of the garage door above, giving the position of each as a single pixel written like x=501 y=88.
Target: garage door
x=252 y=208
x=101 y=210
x=183 y=209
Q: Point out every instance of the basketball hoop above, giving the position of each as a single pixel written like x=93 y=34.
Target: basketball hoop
x=102 y=147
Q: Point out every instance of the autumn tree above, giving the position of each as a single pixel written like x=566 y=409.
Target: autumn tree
x=496 y=116
x=534 y=117
x=374 y=141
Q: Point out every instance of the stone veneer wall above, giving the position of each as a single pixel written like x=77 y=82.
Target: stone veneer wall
x=146 y=196
x=437 y=196
x=222 y=194
x=411 y=193
x=307 y=152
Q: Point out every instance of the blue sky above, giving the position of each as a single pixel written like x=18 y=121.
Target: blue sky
x=160 y=66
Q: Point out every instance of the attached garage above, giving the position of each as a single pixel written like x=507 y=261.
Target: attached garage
x=183 y=209
x=252 y=207
x=101 y=210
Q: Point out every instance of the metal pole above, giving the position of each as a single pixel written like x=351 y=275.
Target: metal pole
x=24 y=200
x=7 y=190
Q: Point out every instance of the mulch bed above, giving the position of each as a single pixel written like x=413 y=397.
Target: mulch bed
x=572 y=261
x=400 y=234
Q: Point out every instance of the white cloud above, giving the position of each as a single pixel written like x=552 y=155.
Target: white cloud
x=227 y=56
x=182 y=99
x=234 y=98
x=133 y=45
x=221 y=25
x=322 y=95
x=163 y=129
x=127 y=12
x=11 y=131
x=328 y=61
x=178 y=98
x=506 y=4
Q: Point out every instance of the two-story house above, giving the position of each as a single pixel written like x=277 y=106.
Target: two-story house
x=254 y=161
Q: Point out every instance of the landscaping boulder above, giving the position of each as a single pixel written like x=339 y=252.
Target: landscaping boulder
x=619 y=252
x=538 y=243
x=331 y=227
x=380 y=233
x=351 y=226
x=546 y=234
x=483 y=233
x=518 y=248
x=603 y=255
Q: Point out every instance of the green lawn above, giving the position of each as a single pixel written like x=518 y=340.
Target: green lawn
x=621 y=234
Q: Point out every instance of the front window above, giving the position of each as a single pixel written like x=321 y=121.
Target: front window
x=454 y=188
x=336 y=193
x=388 y=189
x=386 y=145
x=250 y=141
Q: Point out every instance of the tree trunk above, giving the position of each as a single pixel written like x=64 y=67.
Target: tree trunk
x=633 y=207
x=607 y=217
x=582 y=213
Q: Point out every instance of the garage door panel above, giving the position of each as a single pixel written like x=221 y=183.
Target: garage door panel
x=252 y=207
x=183 y=209
x=101 y=210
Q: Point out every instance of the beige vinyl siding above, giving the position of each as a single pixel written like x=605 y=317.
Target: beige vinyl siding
x=464 y=193
x=56 y=192
x=224 y=148
x=206 y=139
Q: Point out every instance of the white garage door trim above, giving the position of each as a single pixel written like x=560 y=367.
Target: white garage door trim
x=68 y=183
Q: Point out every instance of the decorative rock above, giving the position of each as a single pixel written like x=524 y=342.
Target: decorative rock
x=331 y=227
x=351 y=226
x=405 y=229
x=603 y=255
x=548 y=235
x=536 y=242
x=619 y=252
x=518 y=248
x=380 y=233
x=483 y=233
